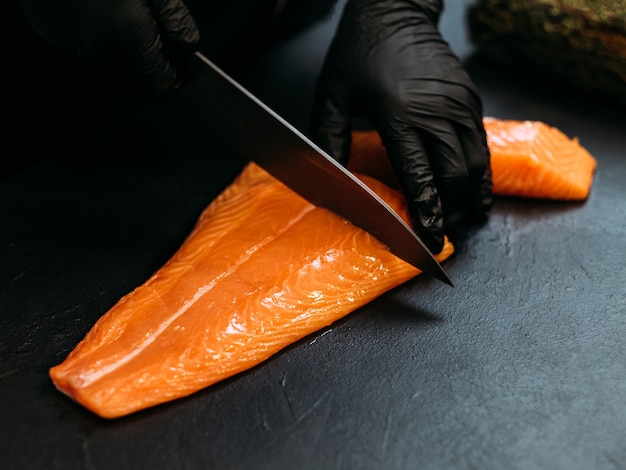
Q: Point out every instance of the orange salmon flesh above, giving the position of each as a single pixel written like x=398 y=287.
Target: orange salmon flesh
x=262 y=269
x=528 y=159
x=532 y=159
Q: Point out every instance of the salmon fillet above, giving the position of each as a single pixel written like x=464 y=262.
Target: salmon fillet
x=528 y=159
x=532 y=159
x=262 y=269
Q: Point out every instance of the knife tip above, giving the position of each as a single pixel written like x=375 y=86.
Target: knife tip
x=440 y=274
x=445 y=279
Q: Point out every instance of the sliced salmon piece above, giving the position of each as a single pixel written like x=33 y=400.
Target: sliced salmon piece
x=533 y=159
x=528 y=159
x=262 y=269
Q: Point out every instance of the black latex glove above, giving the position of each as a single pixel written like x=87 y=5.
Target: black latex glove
x=126 y=37
x=389 y=63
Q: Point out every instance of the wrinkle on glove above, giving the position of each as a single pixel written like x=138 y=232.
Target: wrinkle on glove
x=389 y=63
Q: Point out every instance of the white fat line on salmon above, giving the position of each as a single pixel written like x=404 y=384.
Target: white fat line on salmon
x=88 y=378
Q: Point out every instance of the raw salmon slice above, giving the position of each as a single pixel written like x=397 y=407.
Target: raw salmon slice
x=528 y=159
x=533 y=159
x=262 y=269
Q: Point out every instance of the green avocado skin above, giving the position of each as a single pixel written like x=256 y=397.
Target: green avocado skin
x=581 y=42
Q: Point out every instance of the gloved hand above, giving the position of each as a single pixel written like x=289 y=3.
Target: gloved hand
x=389 y=63
x=126 y=37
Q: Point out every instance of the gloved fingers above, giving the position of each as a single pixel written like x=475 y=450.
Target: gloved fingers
x=465 y=112
x=145 y=48
x=450 y=170
x=460 y=100
x=476 y=150
x=443 y=148
x=411 y=165
x=176 y=23
x=331 y=123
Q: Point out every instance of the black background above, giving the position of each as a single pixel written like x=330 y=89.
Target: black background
x=521 y=365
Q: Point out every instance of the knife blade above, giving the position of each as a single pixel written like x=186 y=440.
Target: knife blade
x=261 y=135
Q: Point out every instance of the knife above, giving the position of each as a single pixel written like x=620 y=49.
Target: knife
x=261 y=135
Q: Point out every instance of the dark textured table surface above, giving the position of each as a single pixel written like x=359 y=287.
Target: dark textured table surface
x=521 y=365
